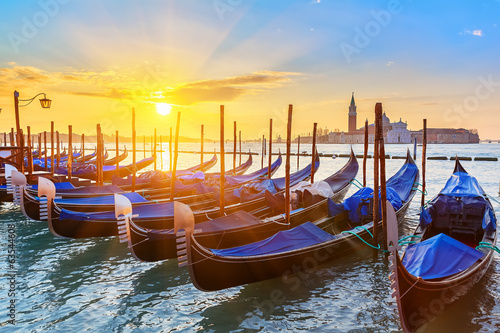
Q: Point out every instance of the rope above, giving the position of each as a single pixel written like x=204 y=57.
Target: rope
x=406 y=237
x=491 y=198
x=488 y=246
x=360 y=184
x=351 y=182
x=355 y=234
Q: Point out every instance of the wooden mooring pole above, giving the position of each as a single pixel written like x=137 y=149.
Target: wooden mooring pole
x=234 y=150
x=170 y=149
x=383 y=189
x=287 y=164
x=298 y=152
x=313 y=169
x=201 y=144
x=176 y=153
x=365 y=153
x=70 y=157
x=52 y=147
x=376 y=151
x=58 y=151
x=270 y=148
x=134 y=151
x=424 y=158
x=222 y=163
x=117 y=153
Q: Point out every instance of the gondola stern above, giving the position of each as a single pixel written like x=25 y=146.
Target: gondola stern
x=124 y=215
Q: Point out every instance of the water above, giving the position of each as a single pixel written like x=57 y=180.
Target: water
x=94 y=285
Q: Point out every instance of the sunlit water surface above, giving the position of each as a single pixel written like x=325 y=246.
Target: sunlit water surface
x=95 y=285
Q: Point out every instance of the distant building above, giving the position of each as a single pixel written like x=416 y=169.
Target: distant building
x=396 y=132
x=447 y=135
x=393 y=132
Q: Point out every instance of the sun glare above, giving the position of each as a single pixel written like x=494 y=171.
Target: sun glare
x=163 y=108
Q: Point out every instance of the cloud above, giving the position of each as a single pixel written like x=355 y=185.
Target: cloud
x=389 y=63
x=226 y=89
x=477 y=32
x=126 y=84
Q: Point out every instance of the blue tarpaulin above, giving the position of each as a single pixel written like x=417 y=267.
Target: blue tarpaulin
x=352 y=203
x=461 y=184
x=438 y=257
x=461 y=193
x=103 y=200
x=304 y=235
x=402 y=182
x=144 y=211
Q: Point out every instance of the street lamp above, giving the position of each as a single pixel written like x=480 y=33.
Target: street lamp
x=44 y=102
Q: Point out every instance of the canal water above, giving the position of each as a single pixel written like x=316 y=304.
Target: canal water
x=95 y=285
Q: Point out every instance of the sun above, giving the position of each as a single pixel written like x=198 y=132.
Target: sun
x=163 y=108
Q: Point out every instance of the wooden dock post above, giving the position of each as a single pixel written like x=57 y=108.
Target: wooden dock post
x=83 y=148
x=154 y=151
x=40 y=144
x=58 y=150
x=30 y=154
x=298 y=152
x=176 y=153
x=240 y=146
x=52 y=147
x=365 y=153
x=144 y=145
x=270 y=148
x=170 y=149
x=161 y=153
x=134 y=150
x=287 y=163
x=45 y=148
x=222 y=163
x=313 y=169
x=383 y=189
x=262 y=152
x=99 y=155
x=201 y=144
x=415 y=149
x=70 y=156
x=117 y=153
x=234 y=150
x=376 y=151
x=424 y=158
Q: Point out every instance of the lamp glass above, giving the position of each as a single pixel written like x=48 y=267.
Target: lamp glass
x=45 y=103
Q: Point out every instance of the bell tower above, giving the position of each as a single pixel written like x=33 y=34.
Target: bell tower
x=352 y=115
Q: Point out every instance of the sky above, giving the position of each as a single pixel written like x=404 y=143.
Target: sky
x=97 y=60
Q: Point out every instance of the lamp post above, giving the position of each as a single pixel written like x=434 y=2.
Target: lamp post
x=44 y=102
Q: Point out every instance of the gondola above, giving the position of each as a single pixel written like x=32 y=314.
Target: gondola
x=87 y=157
x=66 y=223
x=89 y=171
x=142 y=197
x=117 y=159
x=238 y=227
x=451 y=249
x=160 y=179
x=301 y=248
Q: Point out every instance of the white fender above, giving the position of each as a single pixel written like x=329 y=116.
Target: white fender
x=8 y=176
x=18 y=181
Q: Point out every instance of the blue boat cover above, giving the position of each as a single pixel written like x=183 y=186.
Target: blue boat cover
x=402 y=182
x=102 y=200
x=438 y=257
x=226 y=223
x=59 y=186
x=461 y=184
x=304 y=235
x=467 y=188
x=351 y=204
x=144 y=211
